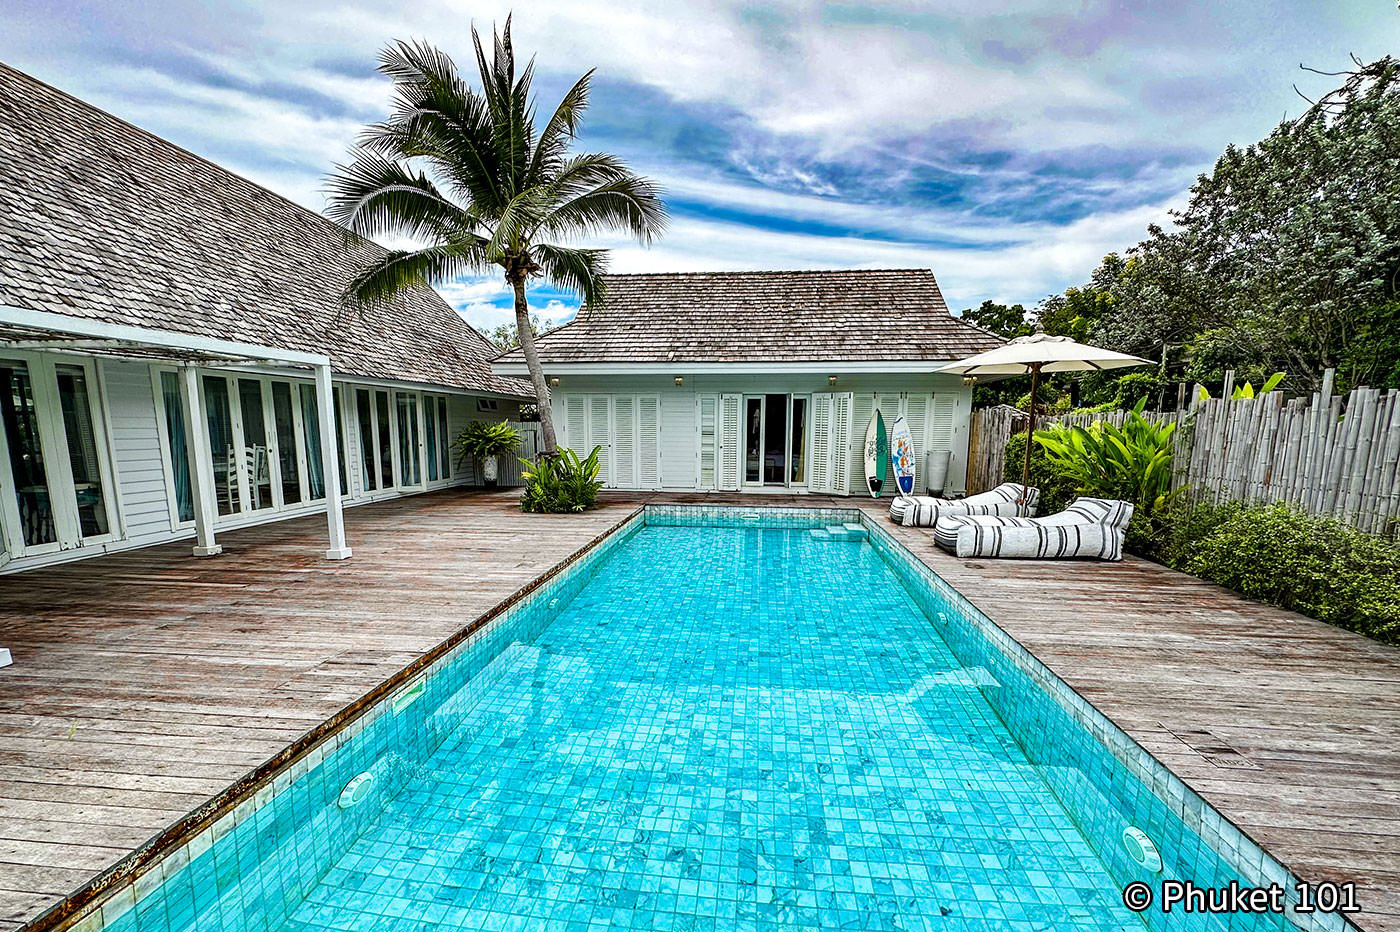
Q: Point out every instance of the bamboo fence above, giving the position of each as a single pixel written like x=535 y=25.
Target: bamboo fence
x=1325 y=454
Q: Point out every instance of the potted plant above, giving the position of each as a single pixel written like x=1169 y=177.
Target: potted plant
x=487 y=441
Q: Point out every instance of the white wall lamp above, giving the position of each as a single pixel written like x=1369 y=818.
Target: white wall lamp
x=554 y=382
x=831 y=381
x=680 y=380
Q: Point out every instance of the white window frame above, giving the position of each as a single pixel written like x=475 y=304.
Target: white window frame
x=58 y=469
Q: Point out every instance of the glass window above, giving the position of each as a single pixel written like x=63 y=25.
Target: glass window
x=369 y=471
x=753 y=439
x=344 y=454
x=385 y=440
x=288 y=470
x=255 y=448
x=444 y=440
x=311 y=426
x=775 y=440
x=219 y=417
x=799 y=441
x=26 y=454
x=75 y=405
x=410 y=472
x=430 y=433
x=174 y=405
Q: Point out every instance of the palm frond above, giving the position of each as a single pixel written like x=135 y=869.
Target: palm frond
x=624 y=201
x=436 y=115
x=377 y=196
x=578 y=270
x=400 y=271
x=553 y=143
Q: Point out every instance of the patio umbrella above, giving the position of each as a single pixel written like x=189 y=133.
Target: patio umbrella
x=1037 y=353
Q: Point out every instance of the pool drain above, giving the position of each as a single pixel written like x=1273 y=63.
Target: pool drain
x=1141 y=849
x=356 y=790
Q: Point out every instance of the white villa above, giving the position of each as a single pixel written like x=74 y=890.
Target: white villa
x=758 y=381
x=174 y=357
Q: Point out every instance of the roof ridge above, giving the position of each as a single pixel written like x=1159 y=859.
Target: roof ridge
x=692 y=274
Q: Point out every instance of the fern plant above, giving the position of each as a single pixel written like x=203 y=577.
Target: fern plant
x=1131 y=463
x=480 y=439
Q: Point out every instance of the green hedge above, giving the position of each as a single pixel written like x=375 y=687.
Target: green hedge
x=1315 y=566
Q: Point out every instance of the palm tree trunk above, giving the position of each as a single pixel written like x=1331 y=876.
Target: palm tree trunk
x=532 y=362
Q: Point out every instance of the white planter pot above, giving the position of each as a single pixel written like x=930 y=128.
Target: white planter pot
x=490 y=469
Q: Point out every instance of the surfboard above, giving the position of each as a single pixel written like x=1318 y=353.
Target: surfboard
x=877 y=454
x=902 y=456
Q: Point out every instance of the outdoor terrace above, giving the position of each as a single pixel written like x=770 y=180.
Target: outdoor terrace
x=147 y=683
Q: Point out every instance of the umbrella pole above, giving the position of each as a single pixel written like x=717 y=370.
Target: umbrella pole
x=1030 y=437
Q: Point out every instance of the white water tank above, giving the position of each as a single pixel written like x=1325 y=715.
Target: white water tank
x=936 y=470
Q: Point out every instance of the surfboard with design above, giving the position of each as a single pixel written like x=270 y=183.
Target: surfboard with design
x=902 y=456
x=877 y=454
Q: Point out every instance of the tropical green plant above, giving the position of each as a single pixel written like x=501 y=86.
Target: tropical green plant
x=561 y=484
x=1131 y=463
x=467 y=175
x=1247 y=389
x=1056 y=491
x=480 y=439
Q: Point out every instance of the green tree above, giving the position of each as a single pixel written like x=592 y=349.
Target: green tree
x=507 y=336
x=468 y=175
x=1005 y=320
x=1285 y=258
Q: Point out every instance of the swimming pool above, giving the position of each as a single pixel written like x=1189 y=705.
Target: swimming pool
x=715 y=720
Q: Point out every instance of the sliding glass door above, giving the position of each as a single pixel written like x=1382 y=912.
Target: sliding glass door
x=55 y=471
x=775 y=440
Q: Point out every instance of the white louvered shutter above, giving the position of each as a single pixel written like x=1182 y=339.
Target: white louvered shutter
x=649 y=442
x=916 y=407
x=707 y=453
x=576 y=424
x=862 y=409
x=942 y=421
x=600 y=435
x=819 y=462
x=731 y=414
x=841 y=404
x=624 y=442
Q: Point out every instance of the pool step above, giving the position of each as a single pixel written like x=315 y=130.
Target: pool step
x=839 y=532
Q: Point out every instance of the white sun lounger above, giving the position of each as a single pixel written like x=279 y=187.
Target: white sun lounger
x=924 y=511
x=1090 y=528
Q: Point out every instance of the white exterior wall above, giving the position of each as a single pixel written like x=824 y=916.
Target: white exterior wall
x=679 y=454
x=140 y=485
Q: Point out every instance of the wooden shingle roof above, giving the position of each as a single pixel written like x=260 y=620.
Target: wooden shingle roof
x=101 y=220
x=866 y=315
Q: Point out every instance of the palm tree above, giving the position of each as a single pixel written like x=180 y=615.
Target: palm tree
x=467 y=178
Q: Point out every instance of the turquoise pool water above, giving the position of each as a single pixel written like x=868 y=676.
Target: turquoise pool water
x=704 y=728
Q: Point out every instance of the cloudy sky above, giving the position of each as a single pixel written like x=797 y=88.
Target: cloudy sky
x=1006 y=144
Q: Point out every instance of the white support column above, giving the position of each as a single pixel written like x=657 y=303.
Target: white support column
x=201 y=465
x=330 y=462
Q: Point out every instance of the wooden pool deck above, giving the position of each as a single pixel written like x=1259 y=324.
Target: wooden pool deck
x=146 y=683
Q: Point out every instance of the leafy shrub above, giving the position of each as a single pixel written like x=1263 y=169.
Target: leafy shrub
x=1132 y=463
x=561 y=484
x=1056 y=491
x=1169 y=535
x=1316 y=566
x=480 y=439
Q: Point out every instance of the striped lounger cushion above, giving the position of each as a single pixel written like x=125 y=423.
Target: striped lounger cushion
x=1090 y=528
x=923 y=511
